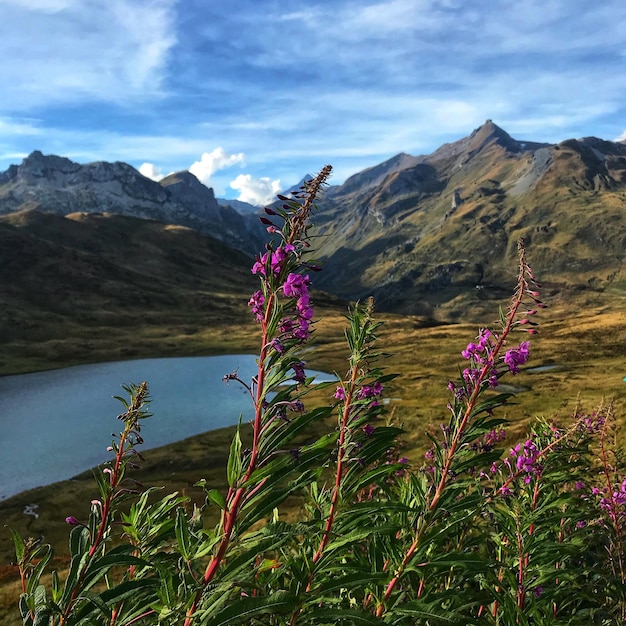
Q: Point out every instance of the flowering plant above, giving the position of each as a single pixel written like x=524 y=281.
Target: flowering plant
x=474 y=535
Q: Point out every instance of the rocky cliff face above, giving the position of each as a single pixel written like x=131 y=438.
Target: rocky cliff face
x=57 y=185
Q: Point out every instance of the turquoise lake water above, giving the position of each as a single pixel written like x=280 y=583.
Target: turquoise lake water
x=58 y=423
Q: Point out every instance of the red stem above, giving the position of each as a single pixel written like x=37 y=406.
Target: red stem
x=458 y=434
x=235 y=494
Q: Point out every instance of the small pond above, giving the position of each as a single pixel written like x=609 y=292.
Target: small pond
x=58 y=423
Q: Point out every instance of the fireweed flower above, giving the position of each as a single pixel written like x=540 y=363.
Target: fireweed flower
x=370 y=391
x=517 y=356
x=340 y=394
x=480 y=355
x=526 y=457
x=296 y=286
x=256 y=305
x=298 y=370
x=259 y=266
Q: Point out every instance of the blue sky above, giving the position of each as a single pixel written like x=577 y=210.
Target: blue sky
x=251 y=95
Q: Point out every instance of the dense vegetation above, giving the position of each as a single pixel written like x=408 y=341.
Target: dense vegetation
x=475 y=534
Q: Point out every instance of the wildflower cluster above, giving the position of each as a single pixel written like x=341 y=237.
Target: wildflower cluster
x=525 y=458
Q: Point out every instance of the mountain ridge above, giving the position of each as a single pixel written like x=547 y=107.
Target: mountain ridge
x=432 y=234
x=56 y=184
x=436 y=234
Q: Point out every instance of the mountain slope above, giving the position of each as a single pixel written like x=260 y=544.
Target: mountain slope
x=83 y=280
x=437 y=234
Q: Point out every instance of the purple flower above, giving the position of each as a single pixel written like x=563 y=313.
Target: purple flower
x=297 y=406
x=256 y=305
x=259 y=266
x=526 y=459
x=364 y=392
x=517 y=356
x=296 y=285
x=302 y=332
x=278 y=346
x=368 y=429
x=305 y=310
x=298 y=370
x=340 y=394
x=286 y=325
x=470 y=351
x=73 y=521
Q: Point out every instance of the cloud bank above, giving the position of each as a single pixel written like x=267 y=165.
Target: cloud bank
x=257 y=191
x=211 y=162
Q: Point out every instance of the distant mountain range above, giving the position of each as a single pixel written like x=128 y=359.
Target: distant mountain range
x=54 y=184
x=433 y=234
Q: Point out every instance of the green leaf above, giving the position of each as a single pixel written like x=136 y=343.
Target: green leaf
x=20 y=547
x=244 y=609
x=38 y=570
x=182 y=535
x=213 y=495
x=233 y=469
x=123 y=591
x=343 y=616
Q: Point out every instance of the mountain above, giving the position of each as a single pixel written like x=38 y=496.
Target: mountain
x=239 y=206
x=54 y=184
x=89 y=286
x=431 y=235
x=436 y=234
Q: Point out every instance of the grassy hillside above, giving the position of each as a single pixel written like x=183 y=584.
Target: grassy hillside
x=91 y=287
x=437 y=235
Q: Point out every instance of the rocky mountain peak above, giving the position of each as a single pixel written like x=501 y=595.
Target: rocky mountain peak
x=54 y=184
x=40 y=169
x=491 y=133
x=373 y=176
x=184 y=180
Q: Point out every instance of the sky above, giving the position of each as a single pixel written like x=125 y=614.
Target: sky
x=252 y=95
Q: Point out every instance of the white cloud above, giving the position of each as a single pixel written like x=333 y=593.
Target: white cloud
x=76 y=51
x=13 y=126
x=210 y=162
x=622 y=137
x=256 y=191
x=149 y=170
